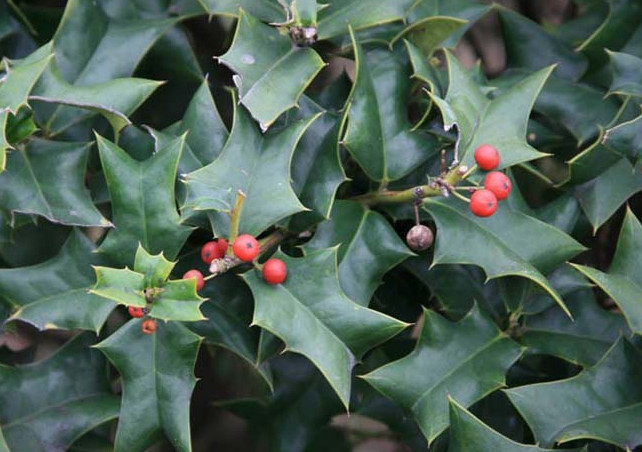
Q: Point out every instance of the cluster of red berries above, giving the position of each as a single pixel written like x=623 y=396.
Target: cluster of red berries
x=497 y=185
x=149 y=325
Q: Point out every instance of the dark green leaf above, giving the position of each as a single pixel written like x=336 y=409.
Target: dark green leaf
x=4 y=143
x=426 y=34
x=55 y=294
x=584 y=340
x=271 y=72
x=47 y=178
x=266 y=10
x=603 y=402
x=47 y=405
x=327 y=327
x=258 y=165
x=378 y=133
x=466 y=360
x=626 y=74
x=157 y=373
x=626 y=139
x=368 y=247
x=143 y=204
x=623 y=282
x=469 y=434
x=464 y=238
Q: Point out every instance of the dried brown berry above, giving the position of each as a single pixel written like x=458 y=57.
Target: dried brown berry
x=419 y=237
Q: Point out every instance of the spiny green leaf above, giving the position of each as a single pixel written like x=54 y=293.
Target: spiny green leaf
x=327 y=327
x=21 y=76
x=584 y=340
x=155 y=267
x=114 y=99
x=378 y=134
x=47 y=178
x=466 y=360
x=266 y=10
x=623 y=282
x=4 y=143
x=603 y=402
x=601 y=197
x=256 y=164
x=143 y=204
x=47 y=405
x=426 y=34
x=626 y=139
x=589 y=163
x=462 y=238
x=157 y=373
x=626 y=74
x=500 y=122
x=369 y=247
x=121 y=286
x=530 y=46
x=271 y=72
x=55 y=294
x=316 y=165
x=469 y=434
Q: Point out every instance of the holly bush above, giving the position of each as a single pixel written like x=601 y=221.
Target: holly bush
x=454 y=247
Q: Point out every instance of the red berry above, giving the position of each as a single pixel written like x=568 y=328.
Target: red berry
x=483 y=203
x=136 y=312
x=211 y=251
x=246 y=247
x=487 y=157
x=274 y=271
x=499 y=184
x=148 y=326
x=200 y=282
x=222 y=245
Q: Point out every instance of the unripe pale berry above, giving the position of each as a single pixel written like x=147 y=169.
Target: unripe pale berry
x=419 y=237
x=136 y=312
x=148 y=326
x=483 y=203
x=274 y=271
x=246 y=248
x=487 y=157
x=200 y=282
x=211 y=251
x=499 y=184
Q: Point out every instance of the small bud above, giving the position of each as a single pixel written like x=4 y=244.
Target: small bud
x=419 y=237
x=463 y=169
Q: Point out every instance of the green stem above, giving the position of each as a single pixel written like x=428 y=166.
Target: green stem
x=235 y=220
x=453 y=177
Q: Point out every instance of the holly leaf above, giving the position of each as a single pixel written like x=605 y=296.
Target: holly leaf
x=623 y=281
x=446 y=359
x=584 y=407
x=55 y=294
x=3 y=443
x=37 y=183
x=601 y=197
x=272 y=73
x=500 y=122
x=76 y=398
x=368 y=248
x=21 y=76
x=157 y=373
x=4 y=142
x=463 y=238
x=378 y=134
x=172 y=300
x=467 y=433
x=114 y=99
x=583 y=341
x=626 y=139
x=328 y=328
x=256 y=164
x=626 y=69
x=143 y=203
x=428 y=33
x=316 y=165
x=266 y=10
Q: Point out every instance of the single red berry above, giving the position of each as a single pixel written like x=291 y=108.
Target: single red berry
x=148 y=326
x=483 y=203
x=274 y=271
x=222 y=245
x=487 y=157
x=200 y=282
x=211 y=251
x=246 y=247
x=136 y=312
x=499 y=184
